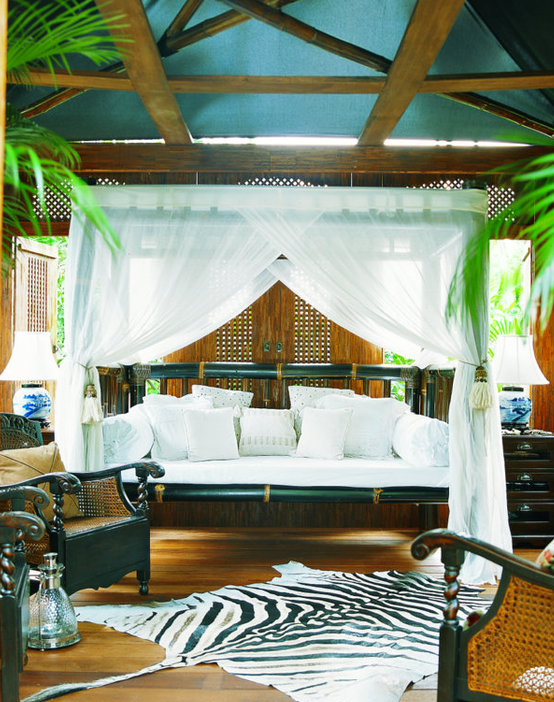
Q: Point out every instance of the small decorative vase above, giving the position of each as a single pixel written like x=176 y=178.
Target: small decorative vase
x=32 y=401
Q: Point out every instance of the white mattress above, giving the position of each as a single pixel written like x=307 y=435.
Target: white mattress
x=300 y=472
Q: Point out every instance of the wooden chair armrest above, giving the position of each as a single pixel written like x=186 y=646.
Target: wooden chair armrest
x=454 y=545
x=143 y=469
x=19 y=495
x=29 y=524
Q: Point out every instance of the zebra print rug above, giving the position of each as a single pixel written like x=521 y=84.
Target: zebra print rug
x=318 y=636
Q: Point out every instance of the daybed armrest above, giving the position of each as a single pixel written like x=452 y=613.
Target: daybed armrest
x=103 y=493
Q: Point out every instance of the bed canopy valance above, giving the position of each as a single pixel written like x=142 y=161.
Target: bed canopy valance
x=377 y=261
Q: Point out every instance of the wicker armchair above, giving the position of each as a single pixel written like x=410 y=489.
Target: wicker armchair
x=14 y=589
x=109 y=540
x=18 y=432
x=508 y=654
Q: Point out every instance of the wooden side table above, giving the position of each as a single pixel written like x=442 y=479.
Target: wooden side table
x=47 y=435
x=529 y=460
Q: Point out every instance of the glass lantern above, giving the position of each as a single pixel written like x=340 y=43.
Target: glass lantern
x=52 y=621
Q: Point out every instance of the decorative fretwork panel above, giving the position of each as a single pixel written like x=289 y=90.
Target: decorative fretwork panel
x=57 y=203
x=312 y=334
x=289 y=181
x=234 y=339
x=499 y=197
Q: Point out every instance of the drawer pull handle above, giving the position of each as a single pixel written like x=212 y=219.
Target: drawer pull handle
x=524 y=447
x=524 y=508
x=525 y=478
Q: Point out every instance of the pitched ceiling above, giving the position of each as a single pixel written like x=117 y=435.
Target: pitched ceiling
x=364 y=69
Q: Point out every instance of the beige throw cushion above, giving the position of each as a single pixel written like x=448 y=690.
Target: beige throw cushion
x=22 y=464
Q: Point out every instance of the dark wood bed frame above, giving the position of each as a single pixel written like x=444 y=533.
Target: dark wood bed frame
x=126 y=386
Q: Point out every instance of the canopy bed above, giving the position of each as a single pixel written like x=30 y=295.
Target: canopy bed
x=377 y=261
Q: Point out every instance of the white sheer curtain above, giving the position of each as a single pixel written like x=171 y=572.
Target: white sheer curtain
x=377 y=261
x=174 y=279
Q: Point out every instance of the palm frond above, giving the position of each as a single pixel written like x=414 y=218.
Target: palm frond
x=48 y=34
x=533 y=213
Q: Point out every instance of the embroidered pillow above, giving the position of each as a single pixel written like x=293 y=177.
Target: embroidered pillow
x=211 y=434
x=301 y=396
x=323 y=433
x=546 y=558
x=421 y=441
x=222 y=397
x=266 y=432
x=22 y=464
x=371 y=427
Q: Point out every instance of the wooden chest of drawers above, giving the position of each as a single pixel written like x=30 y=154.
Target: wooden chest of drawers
x=529 y=462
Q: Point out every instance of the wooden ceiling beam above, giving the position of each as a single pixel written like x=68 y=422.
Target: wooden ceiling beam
x=167 y=47
x=427 y=30
x=170 y=43
x=286 y=23
x=144 y=66
x=307 y=33
x=183 y=17
x=361 y=85
x=160 y=158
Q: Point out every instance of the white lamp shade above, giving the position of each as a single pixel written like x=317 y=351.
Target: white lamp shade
x=515 y=362
x=32 y=358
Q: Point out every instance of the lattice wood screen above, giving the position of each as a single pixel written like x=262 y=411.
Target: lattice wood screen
x=499 y=197
x=312 y=334
x=234 y=340
x=35 y=287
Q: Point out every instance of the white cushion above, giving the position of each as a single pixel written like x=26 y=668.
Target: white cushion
x=167 y=421
x=421 y=441
x=301 y=396
x=222 y=397
x=323 y=433
x=127 y=437
x=266 y=432
x=372 y=424
x=154 y=399
x=211 y=434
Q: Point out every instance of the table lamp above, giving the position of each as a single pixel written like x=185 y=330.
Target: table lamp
x=31 y=362
x=516 y=367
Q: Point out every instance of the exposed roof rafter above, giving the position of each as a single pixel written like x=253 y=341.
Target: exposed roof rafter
x=425 y=34
x=144 y=66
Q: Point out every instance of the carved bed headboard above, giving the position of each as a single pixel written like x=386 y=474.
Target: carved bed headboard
x=125 y=386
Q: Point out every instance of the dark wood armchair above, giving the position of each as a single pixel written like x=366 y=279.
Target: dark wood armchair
x=18 y=432
x=14 y=587
x=109 y=539
x=508 y=653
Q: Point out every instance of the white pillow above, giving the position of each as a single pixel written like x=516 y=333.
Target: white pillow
x=167 y=421
x=421 y=441
x=127 y=437
x=211 y=434
x=155 y=399
x=323 y=433
x=266 y=432
x=372 y=425
x=301 y=396
x=222 y=397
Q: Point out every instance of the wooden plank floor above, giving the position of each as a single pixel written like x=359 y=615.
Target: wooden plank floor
x=198 y=560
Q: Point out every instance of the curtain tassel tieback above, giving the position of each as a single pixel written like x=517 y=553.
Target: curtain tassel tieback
x=92 y=409
x=480 y=396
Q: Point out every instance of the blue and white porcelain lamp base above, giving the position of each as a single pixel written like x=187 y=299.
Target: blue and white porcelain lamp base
x=33 y=401
x=515 y=408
